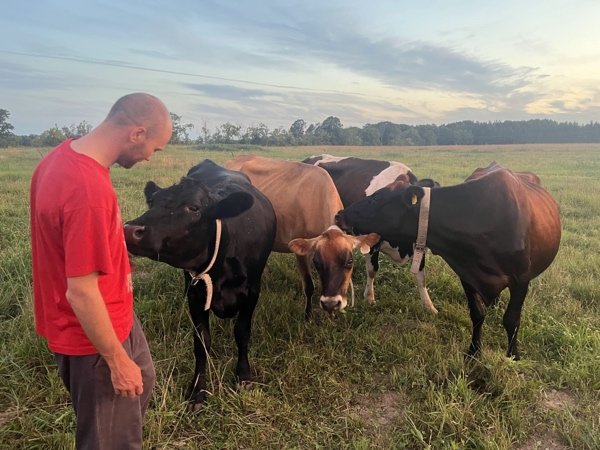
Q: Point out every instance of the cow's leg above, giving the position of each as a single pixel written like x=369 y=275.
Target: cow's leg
x=372 y=266
x=423 y=293
x=242 y=330
x=512 y=317
x=477 y=312
x=197 y=390
x=303 y=263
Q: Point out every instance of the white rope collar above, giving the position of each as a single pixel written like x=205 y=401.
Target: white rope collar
x=419 y=247
x=204 y=276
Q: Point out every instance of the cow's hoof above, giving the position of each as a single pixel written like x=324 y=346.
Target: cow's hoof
x=197 y=401
x=246 y=385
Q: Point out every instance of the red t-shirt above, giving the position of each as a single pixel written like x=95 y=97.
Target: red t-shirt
x=76 y=229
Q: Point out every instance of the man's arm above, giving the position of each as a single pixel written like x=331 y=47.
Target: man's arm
x=88 y=305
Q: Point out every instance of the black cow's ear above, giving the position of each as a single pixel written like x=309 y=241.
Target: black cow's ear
x=232 y=205
x=412 y=195
x=149 y=190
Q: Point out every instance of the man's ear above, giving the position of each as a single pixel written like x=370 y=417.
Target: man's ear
x=366 y=241
x=413 y=195
x=138 y=134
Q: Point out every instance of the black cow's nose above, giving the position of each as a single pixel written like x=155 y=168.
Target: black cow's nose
x=134 y=233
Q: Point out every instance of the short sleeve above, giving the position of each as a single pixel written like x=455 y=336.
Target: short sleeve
x=86 y=234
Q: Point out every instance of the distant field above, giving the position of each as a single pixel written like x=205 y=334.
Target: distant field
x=384 y=376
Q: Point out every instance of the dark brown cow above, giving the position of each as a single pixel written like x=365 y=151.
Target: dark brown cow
x=305 y=202
x=499 y=229
x=356 y=178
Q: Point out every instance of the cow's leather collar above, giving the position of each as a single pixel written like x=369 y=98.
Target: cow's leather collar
x=419 y=247
x=204 y=276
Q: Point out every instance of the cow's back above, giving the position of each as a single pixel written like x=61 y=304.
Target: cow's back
x=356 y=178
x=252 y=231
x=524 y=215
x=304 y=197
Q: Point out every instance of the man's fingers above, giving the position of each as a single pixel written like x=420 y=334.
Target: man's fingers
x=131 y=393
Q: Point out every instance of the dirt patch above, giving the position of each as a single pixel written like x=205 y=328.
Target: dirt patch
x=556 y=400
x=5 y=416
x=547 y=441
x=378 y=410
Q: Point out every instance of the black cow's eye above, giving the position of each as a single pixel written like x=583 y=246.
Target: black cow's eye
x=192 y=208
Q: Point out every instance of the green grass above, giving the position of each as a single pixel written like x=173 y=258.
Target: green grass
x=383 y=376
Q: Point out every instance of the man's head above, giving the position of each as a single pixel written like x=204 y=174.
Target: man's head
x=144 y=125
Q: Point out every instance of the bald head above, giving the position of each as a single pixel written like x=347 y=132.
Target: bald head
x=139 y=109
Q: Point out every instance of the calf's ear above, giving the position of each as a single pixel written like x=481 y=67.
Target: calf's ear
x=366 y=241
x=231 y=206
x=302 y=247
x=412 y=196
x=150 y=189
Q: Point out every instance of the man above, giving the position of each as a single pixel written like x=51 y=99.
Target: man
x=83 y=297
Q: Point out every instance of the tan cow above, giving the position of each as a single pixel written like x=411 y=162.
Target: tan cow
x=305 y=201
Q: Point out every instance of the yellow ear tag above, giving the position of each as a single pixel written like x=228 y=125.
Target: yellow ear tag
x=413 y=200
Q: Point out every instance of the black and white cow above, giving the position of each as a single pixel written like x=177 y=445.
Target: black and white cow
x=356 y=178
x=220 y=229
x=498 y=229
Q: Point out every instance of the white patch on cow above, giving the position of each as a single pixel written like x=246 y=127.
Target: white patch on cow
x=393 y=253
x=334 y=227
x=425 y=300
x=386 y=176
x=329 y=159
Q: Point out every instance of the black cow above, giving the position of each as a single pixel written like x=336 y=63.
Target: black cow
x=356 y=178
x=498 y=229
x=181 y=228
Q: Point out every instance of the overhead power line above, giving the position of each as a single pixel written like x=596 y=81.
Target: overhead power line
x=125 y=65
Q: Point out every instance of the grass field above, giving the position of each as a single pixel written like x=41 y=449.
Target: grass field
x=383 y=376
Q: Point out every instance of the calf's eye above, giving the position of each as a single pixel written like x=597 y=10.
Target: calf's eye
x=192 y=208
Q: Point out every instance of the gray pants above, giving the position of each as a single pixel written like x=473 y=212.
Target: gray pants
x=106 y=421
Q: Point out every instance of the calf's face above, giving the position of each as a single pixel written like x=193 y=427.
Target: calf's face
x=180 y=222
x=332 y=257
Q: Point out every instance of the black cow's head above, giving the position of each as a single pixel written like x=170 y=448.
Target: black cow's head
x=392 y=212
x=180 y=222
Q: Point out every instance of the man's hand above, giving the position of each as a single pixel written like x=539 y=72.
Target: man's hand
x=88 y=305
x=125 y=375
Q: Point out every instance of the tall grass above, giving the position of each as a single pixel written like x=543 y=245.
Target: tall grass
x=383 y=376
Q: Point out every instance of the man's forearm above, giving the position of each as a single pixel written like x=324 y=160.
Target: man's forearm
x=88 y=305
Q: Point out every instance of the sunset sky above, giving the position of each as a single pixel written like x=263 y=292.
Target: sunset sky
x=248 y=62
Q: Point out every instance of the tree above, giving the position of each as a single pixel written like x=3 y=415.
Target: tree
x=51 y=137
x=297 y=129
x=76 y=131
x=257 y=135
x=180 y=131
x=330 y=131
x=6 y=135
x=229 y=132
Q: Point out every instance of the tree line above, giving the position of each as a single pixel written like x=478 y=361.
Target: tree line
x=332 y=132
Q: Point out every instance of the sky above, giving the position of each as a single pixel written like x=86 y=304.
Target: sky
x=272 y=62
